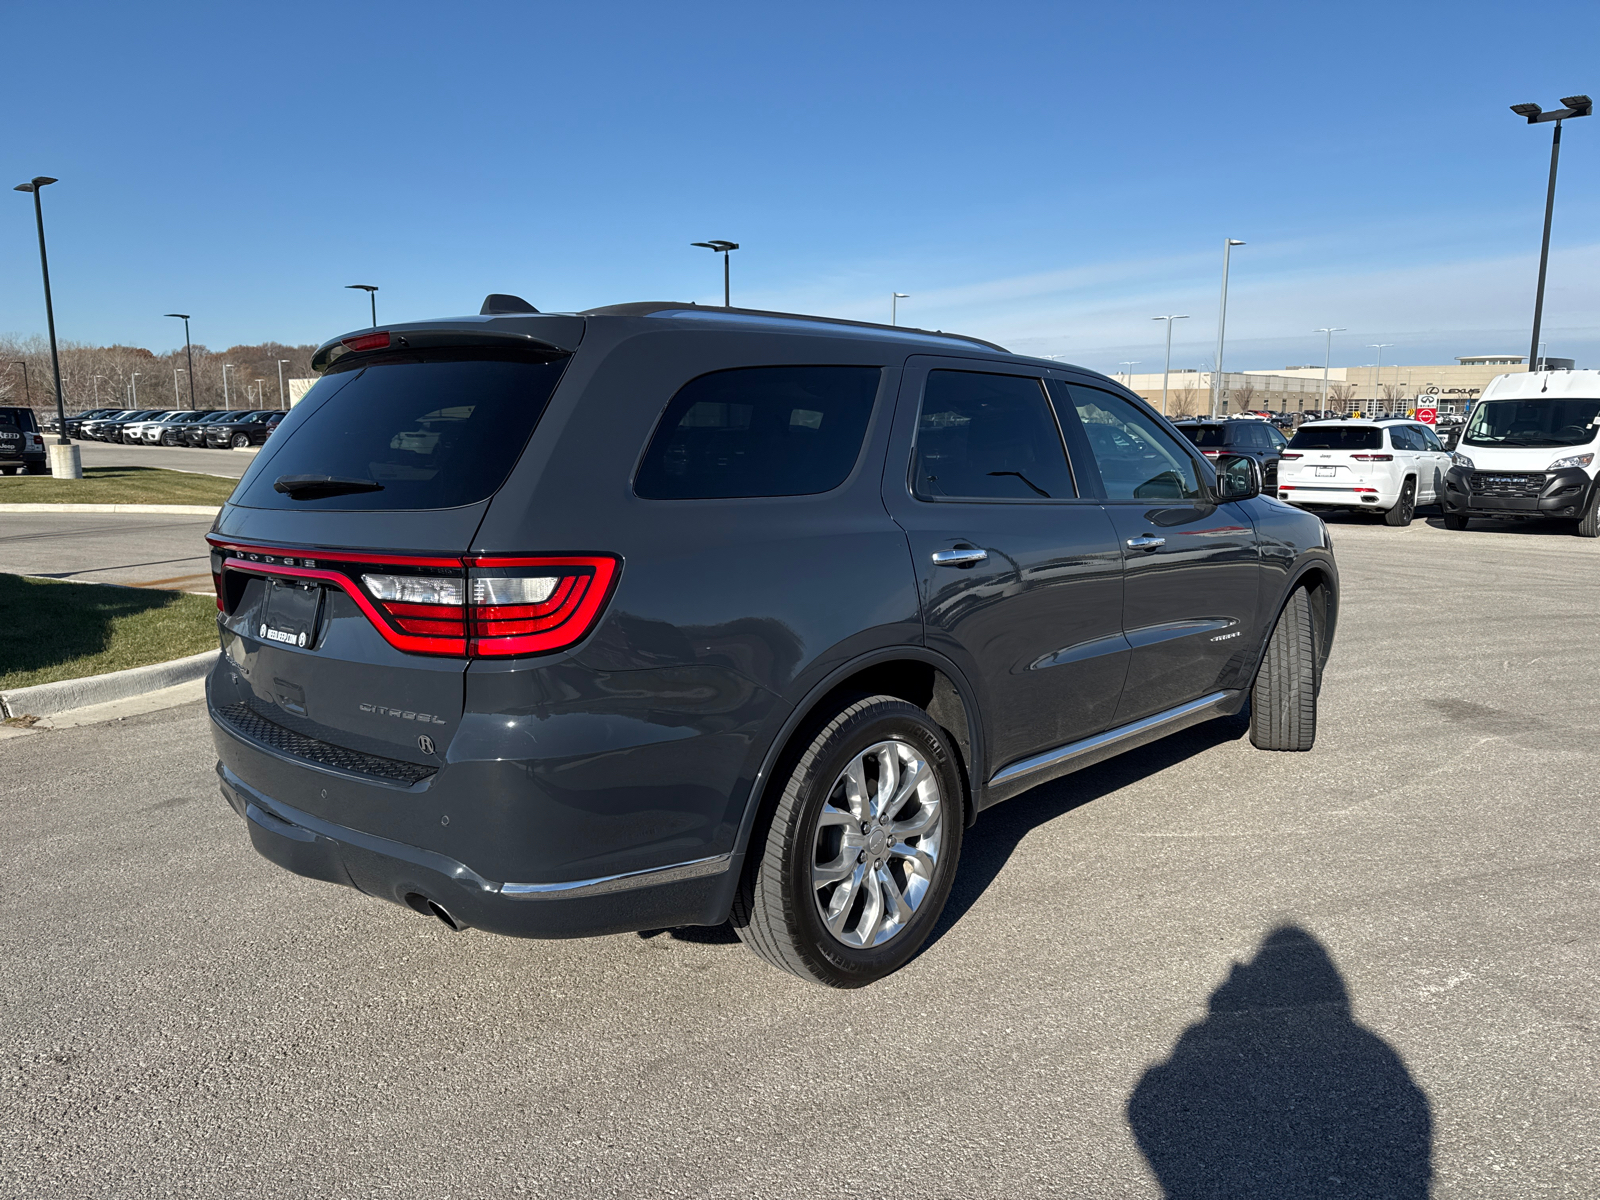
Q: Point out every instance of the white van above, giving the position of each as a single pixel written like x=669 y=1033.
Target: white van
x=1529 y=451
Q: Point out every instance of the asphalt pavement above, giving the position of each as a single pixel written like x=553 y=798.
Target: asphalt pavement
x=135 y=550
x=1198 y=969
x=229 y=463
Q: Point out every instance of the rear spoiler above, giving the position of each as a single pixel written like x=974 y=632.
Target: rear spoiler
x=542 y=334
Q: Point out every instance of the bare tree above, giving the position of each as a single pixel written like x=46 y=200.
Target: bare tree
x=1340 y=395
x=1394 y=393
x=1244 y=395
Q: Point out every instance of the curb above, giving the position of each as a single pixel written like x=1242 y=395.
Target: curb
x=184 y=510
x=45 y=699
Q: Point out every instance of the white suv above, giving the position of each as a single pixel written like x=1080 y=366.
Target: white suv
x=1383 y=466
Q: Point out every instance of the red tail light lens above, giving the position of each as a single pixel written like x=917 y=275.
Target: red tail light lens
x=1373 y=457
x=1291 y=454
x=536 y=605
x=367 y=341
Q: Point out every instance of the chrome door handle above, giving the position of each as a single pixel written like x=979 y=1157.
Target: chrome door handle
x=1145 y=543
x=959 y=558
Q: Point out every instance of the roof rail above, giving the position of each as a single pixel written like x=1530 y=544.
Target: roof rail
x=646 y=307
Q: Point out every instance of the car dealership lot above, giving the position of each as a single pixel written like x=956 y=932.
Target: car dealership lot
x=133 y=549
x=182 y=1017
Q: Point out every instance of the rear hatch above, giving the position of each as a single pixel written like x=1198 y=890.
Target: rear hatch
x=342 y=558
x=1335 y=458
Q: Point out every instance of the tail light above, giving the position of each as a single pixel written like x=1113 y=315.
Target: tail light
x=478 y=606
x=1290 y=454
x=367 y=341
x=1211 y=453
x=1373 y=457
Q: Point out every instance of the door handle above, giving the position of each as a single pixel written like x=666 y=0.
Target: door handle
x=1146 y=543
x=959 y=558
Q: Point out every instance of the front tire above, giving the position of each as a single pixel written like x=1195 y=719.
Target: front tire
x=1283 y=702
x=1405 y=508
x=1589 y=523
x=859 y=856
x=1455 y=521
x=240 y=441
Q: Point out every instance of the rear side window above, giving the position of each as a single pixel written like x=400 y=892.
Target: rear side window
x=405 y=432
x=1337 y=437
x=988 y=437
x=1205 y=435
x=759 y=431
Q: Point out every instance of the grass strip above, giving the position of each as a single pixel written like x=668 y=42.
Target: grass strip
x=52 y=630
x=117 y=485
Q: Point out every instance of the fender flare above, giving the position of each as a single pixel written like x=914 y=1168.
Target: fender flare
x=802 y=709
x=1324 y=564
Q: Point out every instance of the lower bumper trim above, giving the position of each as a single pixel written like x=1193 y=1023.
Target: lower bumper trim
x=694 y=869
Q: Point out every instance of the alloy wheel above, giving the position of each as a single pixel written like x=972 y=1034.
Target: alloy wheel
x=877 y=844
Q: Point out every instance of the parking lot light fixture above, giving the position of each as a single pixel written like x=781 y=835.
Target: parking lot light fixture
x=1222 y=323
x=133 y=387
x=1327 y=355
x=1129 y=373
x=188 y=350
x=371 y=289
x=894 y=301
x=226 y=367
x=1572 y=107
x=35 y=186
x=723 y=248
x=1377 y=372
x=281 y=404
x=176 y=371
x=1166 y=367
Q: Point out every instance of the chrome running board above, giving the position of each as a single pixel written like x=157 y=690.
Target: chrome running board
x=1030 y=772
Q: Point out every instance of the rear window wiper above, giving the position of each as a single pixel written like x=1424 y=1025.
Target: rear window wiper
x=314 y=487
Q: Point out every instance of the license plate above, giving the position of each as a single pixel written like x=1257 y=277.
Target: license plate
x=1327 y=472
x=290 y=613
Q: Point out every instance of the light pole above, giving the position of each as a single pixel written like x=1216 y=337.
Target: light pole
x=1327 y=356
x=281 y=361
x=894 y=301
x=1540 y=360
x=1132 y=363
x=1222 y=322
x=723 y=248
x=1377 y=371
x=261 y=393
x=188 y=349
x=63 y=464
x=1166 y=368
x=226 y=367
x=133 y=389
x=371 y=289
x=176 y=371
x=1575 y=106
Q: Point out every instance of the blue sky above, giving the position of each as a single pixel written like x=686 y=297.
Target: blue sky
x=1047 y=176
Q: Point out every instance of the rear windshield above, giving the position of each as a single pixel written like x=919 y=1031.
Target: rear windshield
x=1205 y=435
x=434 y=430
x=1538 y=423
x=1337 y=437
x=22 y=418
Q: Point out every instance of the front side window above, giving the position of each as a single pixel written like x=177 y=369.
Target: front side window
x=1430 y=440
x=1532 y=423
x=759 y=431
x=988 y=437
x=1138 y=460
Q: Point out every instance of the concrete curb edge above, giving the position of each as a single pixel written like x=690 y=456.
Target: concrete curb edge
x=186 y=510
x=46 y=699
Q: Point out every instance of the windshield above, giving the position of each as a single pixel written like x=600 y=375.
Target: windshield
x=1336 y=437
x=1536 y=423
x=1205 y=435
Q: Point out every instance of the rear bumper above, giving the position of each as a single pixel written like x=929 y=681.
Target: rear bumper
x=1312 y=495
x=1565 y=493
x=680 y=894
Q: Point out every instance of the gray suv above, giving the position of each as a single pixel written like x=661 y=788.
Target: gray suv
x=557 y=625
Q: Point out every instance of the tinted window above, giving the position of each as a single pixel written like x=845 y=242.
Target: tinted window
x=1403 y=437
x=1275 y=437
x=22 y=418
x=1138 y=459
x=1208 y=436
x=759 y=431
x=1337 y=437
x=1429 y=440
x=988 y=437
x=433 y=431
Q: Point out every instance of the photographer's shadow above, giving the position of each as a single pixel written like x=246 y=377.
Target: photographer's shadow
x=1279 y=1093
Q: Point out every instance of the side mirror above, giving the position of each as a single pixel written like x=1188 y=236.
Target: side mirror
x=1238 y=477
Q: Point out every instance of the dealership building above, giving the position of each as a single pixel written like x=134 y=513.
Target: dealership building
x=1449 y=387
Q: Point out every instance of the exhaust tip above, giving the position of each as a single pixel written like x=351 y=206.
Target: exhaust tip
x=433 y=908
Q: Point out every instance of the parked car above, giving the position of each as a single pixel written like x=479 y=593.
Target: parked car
x=109 y=428
x=75 y=421
x=655 y=615
x=1530 y=450
x=194 y=434
x=1258 y=440
x=169 y=431
x=1386 y=467
x=252 y=429
x=133 y=432
x=22 y=449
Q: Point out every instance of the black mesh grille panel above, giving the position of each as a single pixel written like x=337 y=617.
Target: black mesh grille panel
x=286 y=741
x=1507 y=484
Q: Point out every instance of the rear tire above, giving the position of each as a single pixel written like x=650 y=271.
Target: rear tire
x=1283 y=702
x=814 y=901
x=1405 y=508
x=1454 y=521
x=1589 y=523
